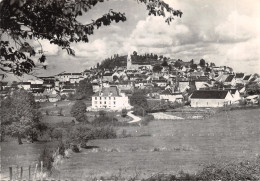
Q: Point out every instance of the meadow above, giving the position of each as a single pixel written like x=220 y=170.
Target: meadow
x=170 y=146
x=166 y=146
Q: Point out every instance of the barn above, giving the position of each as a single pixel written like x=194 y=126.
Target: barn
x=211 y=98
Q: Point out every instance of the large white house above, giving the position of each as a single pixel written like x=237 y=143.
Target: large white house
x=211 y=98
x=110 y=98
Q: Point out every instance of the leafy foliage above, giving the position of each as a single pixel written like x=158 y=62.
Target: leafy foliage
x=157 y=68
x=78 y=111
x=202 y=62
x=84 y=90
x=138 y=99
x=20 y=116
x=56 y=21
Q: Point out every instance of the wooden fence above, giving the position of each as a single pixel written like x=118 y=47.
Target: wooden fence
x=34 y=172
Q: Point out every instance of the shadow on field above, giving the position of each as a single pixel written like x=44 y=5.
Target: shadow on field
x=91 y=147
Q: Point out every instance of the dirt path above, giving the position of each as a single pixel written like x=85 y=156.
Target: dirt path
x=135 y=118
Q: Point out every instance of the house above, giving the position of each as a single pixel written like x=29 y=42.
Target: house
x=230 y=80
x=65 y=77
x=211 y=98
x=235 y=94
x=239 y=78
x=168 y=95
x=247 y=78
x=24 y=85
x=54 y=97
x=160 y=83
x=108 y=77
x=110 y=98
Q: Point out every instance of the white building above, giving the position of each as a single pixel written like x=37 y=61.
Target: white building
x=211 y=98
x=168 y=95
x=110 y=98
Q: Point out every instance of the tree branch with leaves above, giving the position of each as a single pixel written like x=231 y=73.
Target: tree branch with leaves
x=28 y=21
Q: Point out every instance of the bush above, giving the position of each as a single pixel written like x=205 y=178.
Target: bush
x=107 y=121
x=139 y=111
x=124 y=113
x=102 y=113
x=81 y=134
x=57 y=134
x=145 y=120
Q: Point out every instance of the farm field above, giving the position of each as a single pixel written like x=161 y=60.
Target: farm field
x=167 y=146
x=173 y=146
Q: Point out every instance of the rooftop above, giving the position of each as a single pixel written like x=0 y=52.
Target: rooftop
x=209 y=94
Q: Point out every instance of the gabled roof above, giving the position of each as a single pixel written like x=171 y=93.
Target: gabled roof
x=240 y=75
x=247 y=77
x=209 y=94
x=109 y=91
x=229 y=78
x=166 y=92
x=232 y=91
x=108 y=74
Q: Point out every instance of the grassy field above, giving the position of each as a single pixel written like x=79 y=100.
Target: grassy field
x=162 y=146
x=173 y=146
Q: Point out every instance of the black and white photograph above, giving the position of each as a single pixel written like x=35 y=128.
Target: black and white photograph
x=130 y=90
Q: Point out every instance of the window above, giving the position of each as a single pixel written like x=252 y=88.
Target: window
x=114 y=98
x=100 y=102
x=95 y=98
x=95 y=102
x=109 y=98
x=114 y=102
x=105 y=98
x=105 y=102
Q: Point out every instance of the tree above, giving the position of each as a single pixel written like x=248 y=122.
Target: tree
x=85 y=89
x=138 y=99
x=164 y=63
x=177 y=64
x=24 y=22
x=78 y=111
x=193 y=66
x=157 y=68
x=202 y=62
x=20 y=116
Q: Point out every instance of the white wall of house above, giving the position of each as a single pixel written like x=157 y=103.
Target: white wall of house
x=171 y=98
x=212 y=102
x=25 y=87
x=117 y=103
x=236 y=96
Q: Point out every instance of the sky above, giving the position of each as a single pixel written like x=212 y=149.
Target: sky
x=219 y=31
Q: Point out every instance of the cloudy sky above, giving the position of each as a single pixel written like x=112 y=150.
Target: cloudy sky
x=219 y=31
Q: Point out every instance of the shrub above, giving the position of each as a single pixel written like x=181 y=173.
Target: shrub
x=124 y=113
x=57 y=134
x=102 y=113
x=104 y=121
x=145 y=120
x=139 y=111
x=81 y=134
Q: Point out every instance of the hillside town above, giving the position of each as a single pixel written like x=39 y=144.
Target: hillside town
x=201 y=84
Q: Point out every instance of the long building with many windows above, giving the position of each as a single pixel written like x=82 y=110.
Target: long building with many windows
x=110 y=98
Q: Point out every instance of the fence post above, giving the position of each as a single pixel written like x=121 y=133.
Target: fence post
x=21 y=173
x=41 y=168
x=35 y=170
x=17 y=172
x=11 y=173
x=29 y=172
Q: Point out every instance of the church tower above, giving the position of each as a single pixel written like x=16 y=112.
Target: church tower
x=129 y=61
